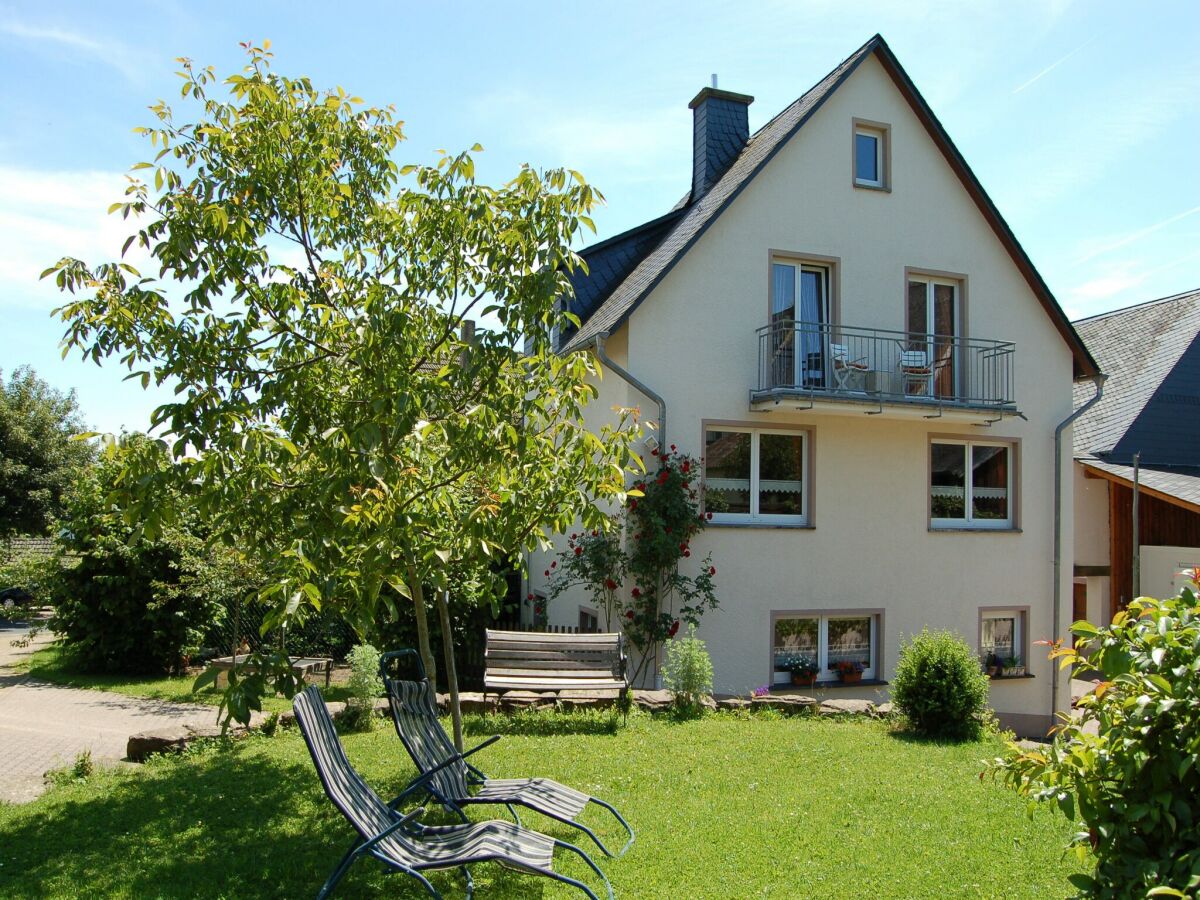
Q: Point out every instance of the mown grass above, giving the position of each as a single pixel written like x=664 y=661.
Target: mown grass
x=55 y=665
x=724 y=807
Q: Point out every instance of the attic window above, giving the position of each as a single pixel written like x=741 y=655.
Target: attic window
x=871 y=155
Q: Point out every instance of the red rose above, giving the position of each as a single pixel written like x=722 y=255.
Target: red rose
x=687 y=553
x=637 y=592
x=547 y=573
x=654 y=453
x=674 y=628
x=629 y=615
x=595 y=534
x=712 y=570
x=578 y=550
x=682 y=547
x=530 y=597
x=633 y=504
x=686 y=467
x=573 y=535
x=672 y=448
x=554 y=565
x=685 y=484
x=610 y=584
x=708 y=516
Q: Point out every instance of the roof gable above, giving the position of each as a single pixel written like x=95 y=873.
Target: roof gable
x=696 y=217
x=1151 y=402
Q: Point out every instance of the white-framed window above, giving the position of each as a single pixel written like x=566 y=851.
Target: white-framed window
x=589 y=620
x=755 y=476
x=800 y=313
x=827 y=639
x=1001 y=637
x=870 y=156
x=970 y=484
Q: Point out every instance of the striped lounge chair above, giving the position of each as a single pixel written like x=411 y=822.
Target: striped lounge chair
x=400 y=841
x=453 y=782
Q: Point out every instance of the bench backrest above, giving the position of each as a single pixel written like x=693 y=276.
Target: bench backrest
x=557 y=657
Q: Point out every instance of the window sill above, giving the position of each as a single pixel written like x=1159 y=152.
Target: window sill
x=827 y=685
x=866 y=186
x=1009 y=677
x=768 y=525
x=969 y=529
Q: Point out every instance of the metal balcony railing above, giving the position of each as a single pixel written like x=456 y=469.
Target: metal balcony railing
x=842 y=362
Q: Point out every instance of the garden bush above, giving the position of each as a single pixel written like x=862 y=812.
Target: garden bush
x=1132 y=787
x=940 y=687
x=688 y=673
x=365 y=686
x=139 y=602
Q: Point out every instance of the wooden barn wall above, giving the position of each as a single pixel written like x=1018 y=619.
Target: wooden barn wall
x=1160 y=524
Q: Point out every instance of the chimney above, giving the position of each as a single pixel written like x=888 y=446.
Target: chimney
x=720 y=129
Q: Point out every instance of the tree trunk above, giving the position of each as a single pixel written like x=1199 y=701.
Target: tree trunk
x=418 y=596
x=443 y=608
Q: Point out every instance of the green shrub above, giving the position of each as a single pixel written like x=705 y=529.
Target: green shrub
x=688 y=673
x=939 y=686
x=364 y=686
x=1134 y=784
x=139 y=602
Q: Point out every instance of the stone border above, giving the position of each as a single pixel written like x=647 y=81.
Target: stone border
x=176 y=738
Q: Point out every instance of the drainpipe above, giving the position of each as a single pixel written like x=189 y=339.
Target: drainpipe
x=598 y=343
x=1098 y=381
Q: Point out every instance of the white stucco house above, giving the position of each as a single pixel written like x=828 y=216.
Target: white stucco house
x=837 y=320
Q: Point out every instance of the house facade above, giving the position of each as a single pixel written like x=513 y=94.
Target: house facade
x=1145 y=430
x=837 y=321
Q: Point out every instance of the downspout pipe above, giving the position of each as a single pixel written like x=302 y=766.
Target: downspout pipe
x=598 y=343
x=1098 y=381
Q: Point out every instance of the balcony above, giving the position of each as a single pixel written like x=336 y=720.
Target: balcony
x=846 y=369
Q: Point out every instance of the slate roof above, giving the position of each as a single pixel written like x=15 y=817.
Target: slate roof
x=1180 y=483
x=610 y=262
x=618 y=304
x=1151 y=401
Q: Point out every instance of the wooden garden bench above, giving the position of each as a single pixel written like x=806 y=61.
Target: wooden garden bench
x=535 y=661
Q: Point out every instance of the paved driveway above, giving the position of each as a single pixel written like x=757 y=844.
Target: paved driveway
x=44 y=726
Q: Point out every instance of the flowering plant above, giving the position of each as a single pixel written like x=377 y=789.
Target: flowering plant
x=801 y=665
x=848 y=667
x=661 y=524
x=595 y=561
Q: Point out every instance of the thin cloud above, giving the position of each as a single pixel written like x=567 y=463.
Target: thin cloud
x=1135 y=236
x=1050 y=68
x=110 y=53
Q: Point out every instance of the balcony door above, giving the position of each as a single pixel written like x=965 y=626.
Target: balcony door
x=799 y=312
x=932 y=323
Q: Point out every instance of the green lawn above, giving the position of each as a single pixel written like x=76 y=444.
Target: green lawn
x=724 y=807
x=53 y=665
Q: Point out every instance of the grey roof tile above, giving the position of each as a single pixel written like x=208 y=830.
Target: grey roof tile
x=1151 y=355
x=1180 y=482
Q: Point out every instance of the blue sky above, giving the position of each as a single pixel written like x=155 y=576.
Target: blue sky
x=1082 y=119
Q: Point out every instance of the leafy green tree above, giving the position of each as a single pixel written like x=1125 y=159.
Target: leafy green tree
x=311 y=308
x=1123 y=769
x=39 y=457
x=132 y=602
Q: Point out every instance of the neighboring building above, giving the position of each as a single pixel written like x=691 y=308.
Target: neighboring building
x=1151 y=407
x=839 y=322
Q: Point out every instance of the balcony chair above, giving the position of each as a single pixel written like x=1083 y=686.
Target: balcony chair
x=848 y=374
x=916 y=375
x=400 y=841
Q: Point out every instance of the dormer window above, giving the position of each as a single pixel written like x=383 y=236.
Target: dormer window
x=871 y=155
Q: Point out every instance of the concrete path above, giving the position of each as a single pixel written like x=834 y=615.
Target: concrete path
x=44 y=726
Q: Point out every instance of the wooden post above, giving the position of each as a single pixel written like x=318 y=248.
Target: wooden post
x=1137 y=550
